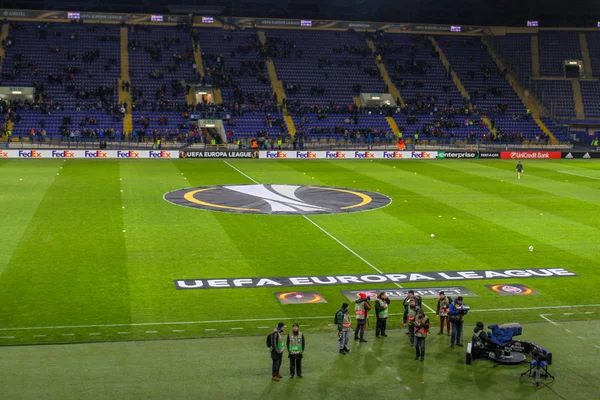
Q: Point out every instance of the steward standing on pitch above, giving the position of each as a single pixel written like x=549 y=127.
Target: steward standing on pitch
x=342 y=319
x=381 y=312
x=296 y=344
x=275 y=343
x=361 y=309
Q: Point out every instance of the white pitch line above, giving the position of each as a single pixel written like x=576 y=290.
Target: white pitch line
x=566 y=330
x=266 y=319
x=39 y=335
x=7 y=337
x=548 y=319
x=568 y=313
x=596 y=346
x=178 y=330
x=123 y=333
x=263 y=327
x=589 y=312
x=324 y=231
x=580 y=337
x=210 y=329
x=236 y=329
x=584 y=176
x=151 y=331
x=95 y=334
x=68 y=334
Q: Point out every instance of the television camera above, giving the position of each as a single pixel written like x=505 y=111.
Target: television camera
x=499 y=345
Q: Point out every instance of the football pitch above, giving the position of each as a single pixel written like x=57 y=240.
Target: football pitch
x=92 y=252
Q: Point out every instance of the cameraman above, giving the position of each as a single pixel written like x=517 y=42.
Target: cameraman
x=410 y=317
x=457 y=312
x=407 y=299
x=481 y=341
x=421 y=331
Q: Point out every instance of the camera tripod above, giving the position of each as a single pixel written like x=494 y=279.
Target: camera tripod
x=538 y=372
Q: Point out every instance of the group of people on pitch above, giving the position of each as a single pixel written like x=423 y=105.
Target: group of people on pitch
x=450 y=313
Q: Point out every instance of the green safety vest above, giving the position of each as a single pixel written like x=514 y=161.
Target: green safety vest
x=528 y=111
x=295 y=343
x=595 y=143
x=422 y=332
x=213 y=141
x=280 y=344
x=279 y=142
x=399 y=135
x=359 y=310
x=239 y=142
x=383 y=313
x=158 y=142
x=417 y=136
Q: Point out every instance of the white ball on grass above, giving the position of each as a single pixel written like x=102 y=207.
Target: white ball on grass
x=432 y=235
x=530 y=248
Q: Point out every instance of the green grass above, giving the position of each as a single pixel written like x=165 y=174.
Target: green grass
x=240 y=368
x=89 y=252
x=67 y=262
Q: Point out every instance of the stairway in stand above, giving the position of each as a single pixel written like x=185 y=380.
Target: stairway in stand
x=125 y=95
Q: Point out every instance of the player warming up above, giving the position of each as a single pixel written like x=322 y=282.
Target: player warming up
x=519 y=169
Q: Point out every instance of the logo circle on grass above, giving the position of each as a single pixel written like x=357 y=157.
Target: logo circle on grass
x=278 y=199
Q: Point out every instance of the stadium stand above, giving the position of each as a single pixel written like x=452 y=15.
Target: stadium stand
x=162 y=74
x=593 y=41
x=321 y=68
x=488 y=88
x=590 y=91
x=323 y=72
x=515 y=50
x=556 y=47
x=557 y=97
x=76 y=77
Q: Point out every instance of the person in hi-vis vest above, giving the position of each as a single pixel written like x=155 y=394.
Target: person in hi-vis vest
x=381 y=312
x=296 y=344
x=277 y=350
x=342 y=319
x=442 y=310
x=361 y=310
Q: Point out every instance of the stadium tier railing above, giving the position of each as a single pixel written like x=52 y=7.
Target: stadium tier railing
x=61 y=142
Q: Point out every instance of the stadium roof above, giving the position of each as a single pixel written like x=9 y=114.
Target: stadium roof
x=550 y=13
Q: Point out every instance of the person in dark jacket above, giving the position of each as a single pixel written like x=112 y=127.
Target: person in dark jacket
x=296 y=343
x=381 y=312
x=342 y=319
x=482 y=342
x=457 y=312
x=277 y=345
